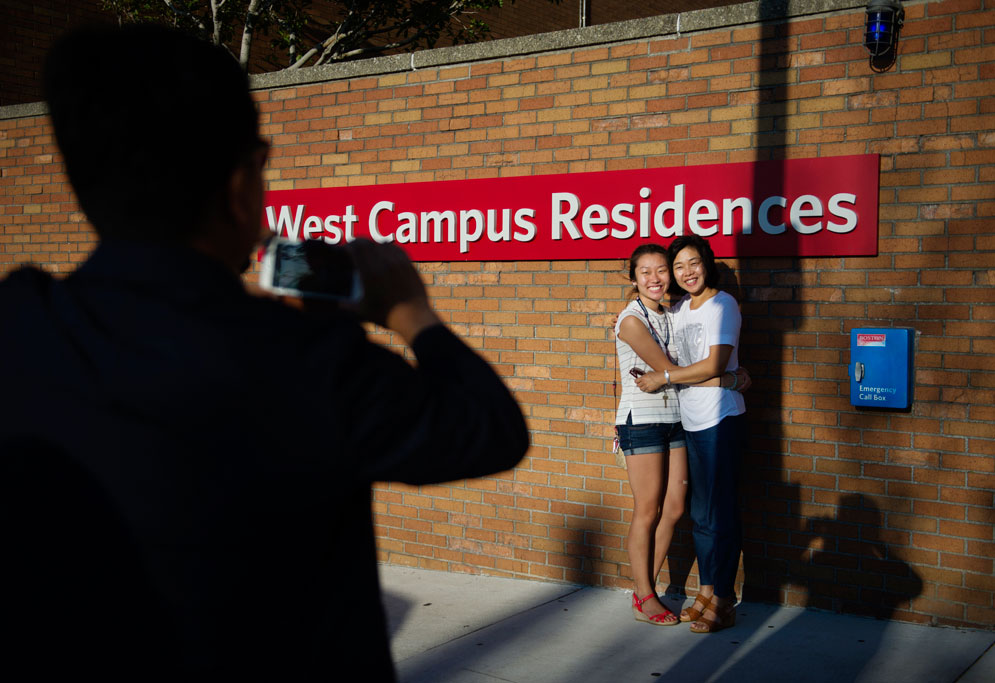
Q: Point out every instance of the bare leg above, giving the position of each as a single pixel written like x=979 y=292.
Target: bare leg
x=673 y=506
x=647 y=484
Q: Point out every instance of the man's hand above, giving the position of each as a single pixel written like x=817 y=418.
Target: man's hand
x=394 y=295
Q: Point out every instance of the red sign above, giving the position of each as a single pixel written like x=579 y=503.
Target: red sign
x=870 y=340
x=794 y=207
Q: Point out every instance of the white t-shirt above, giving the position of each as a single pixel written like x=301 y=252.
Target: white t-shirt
x=717 y=321
x=653 y=408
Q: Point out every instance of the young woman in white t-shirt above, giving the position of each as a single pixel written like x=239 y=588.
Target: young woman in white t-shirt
x=648 y=426
x=706 y=332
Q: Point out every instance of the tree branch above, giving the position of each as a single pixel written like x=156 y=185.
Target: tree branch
x=398 y=24
x=253 y=12
x=189 y=15
x=326 y=44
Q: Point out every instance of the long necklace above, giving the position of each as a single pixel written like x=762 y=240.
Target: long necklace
x=656 y=337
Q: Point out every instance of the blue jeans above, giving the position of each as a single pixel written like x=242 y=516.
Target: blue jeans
x=714 y=456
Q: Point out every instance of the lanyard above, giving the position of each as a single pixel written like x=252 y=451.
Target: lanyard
x=656 y=337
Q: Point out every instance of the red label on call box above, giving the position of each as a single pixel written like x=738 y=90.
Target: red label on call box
x=870 y=339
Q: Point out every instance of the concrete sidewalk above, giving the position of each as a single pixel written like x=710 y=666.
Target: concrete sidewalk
x=475 y=629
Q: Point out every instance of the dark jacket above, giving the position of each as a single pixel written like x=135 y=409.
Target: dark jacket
x=233 y=441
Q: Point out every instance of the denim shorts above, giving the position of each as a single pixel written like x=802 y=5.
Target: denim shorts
x=657 y=437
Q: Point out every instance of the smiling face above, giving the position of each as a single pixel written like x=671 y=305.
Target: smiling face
x=652 y=277
x=689 y=271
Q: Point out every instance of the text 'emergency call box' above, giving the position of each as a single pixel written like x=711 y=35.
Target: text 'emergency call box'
x=881 y=367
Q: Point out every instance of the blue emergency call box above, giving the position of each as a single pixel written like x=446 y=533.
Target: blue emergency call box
x=881 y=367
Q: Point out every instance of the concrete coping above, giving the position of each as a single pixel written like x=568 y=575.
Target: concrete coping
x=591 y=36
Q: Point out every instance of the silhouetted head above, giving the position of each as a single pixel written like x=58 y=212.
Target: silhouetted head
x=151 y=124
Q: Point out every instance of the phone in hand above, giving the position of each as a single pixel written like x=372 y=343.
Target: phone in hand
x=310 y=269
x=637 y=372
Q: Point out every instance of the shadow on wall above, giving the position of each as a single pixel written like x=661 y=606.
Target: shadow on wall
x=767 y=303
x=853 y=562
x=770 y=503
x=869 y=578
x=587 y=542
x=837 y=562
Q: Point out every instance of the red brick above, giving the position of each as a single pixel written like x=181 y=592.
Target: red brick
x=929 y=472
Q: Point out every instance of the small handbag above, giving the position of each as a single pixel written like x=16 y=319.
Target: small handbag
x=619 y=455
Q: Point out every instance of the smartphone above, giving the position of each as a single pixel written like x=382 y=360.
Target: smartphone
x=637 y=372
x=310 y=269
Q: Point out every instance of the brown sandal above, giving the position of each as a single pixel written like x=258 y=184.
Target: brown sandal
x=692 y=614
x=724 y=618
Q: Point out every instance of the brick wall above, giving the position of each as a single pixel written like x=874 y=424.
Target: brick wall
x=27 y=29
x=882 y=513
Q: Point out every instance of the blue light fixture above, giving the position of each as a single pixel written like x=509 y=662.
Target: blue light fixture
x=884 y=19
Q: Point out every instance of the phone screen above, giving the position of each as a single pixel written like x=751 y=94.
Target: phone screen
x=310 y=269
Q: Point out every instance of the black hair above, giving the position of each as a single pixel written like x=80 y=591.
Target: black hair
x=151 y=124
x=704 y=249
x=639 y=252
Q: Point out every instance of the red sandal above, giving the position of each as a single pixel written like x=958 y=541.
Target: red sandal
x=660 y=619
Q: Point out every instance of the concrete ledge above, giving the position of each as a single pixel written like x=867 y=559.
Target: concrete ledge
x=602 y=34
x=23 y=111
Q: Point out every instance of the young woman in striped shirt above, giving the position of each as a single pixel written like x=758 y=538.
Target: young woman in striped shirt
x=649 y=430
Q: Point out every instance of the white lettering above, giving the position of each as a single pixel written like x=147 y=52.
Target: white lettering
x=745 y=206
x=574 y=219
x=806 y=206
x=407 y=228
x=644 y=213
x=622 y=215
x=333 y=233
x=703 y=210
x=285 y=224
x=494 y=233
x=528 y=226
x=677 y=207
x=465 y=235
x=434 y=220
x=565 y=220
x=764 y=219
x=312 y=227
x=374 y=224
x=350 y=222
x=848 y=215
x=595 y=214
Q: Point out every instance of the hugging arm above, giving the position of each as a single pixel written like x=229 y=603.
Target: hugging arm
x=701 y=373
x=635 y=334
